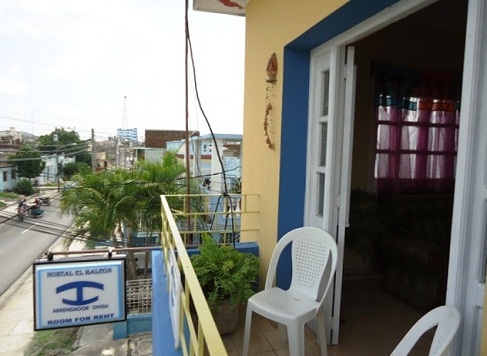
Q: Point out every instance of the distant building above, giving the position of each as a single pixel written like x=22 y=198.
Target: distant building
x=204 y=161
x=127 y=135
x=8 y=176
x=50 y=172
x=156 y=143
x=14 y=137
x=159 y=138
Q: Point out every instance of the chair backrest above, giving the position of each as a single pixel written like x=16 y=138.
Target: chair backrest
x=314 y=259
x=446 y=319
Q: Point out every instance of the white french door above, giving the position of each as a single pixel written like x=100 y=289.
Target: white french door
x=330 y=136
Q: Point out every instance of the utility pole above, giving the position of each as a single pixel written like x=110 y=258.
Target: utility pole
x=123 y=148
x=116 y=151
x=93 y=151
x=186 y=104
x=56 y=139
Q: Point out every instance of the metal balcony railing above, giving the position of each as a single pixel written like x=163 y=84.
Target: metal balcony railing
x=184 y=220
x=219 y=215
x=139 y=296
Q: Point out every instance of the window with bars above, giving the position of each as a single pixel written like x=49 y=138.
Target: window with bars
x=417 y=135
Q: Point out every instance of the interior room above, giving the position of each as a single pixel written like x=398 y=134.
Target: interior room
x=396 y=257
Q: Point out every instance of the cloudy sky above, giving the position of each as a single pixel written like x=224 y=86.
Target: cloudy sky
x=70 y=63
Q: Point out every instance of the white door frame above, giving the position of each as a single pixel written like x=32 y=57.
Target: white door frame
x=325 y=214
x=320 y=64
x=466 y=272
x=465 y=289
x=345 y=170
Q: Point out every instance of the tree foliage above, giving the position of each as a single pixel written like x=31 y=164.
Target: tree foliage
x=48 y=144
x=24 y=187
x=105 y=201
x=68 y=143
x=70 y=169
x=28 y=161
x=93 y=202
x=83 y=157
x=154 y=180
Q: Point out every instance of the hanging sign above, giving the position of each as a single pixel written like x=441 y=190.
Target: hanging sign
x=175 y=289
x=74 y=292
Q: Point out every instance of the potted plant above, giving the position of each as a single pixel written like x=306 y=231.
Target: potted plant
x=228 y=278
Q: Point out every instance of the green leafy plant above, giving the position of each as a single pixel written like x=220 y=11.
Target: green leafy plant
x=28 y=161
x=225 y=273
x=236 y=186
x=52 y=342
x=25 y=187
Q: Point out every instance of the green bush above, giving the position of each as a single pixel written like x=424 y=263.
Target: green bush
x=52 y=342
x=225 y=273
x=24 y=187
x=70 y=169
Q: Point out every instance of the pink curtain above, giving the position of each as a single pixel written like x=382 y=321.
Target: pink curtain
x=417 y=118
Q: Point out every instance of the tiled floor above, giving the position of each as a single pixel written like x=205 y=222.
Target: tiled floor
x=372 y=323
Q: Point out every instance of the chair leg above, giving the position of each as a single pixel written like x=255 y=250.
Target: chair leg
x=248 y=322
x=296 y=339
x=320 y=317
x=282 y=333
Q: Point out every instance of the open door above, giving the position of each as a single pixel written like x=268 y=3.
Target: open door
x=330 y=137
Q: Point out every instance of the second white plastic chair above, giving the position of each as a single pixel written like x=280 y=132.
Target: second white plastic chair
x=314 y=260
x=446 y=319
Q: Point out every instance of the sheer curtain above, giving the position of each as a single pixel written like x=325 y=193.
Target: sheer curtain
x=417 y=118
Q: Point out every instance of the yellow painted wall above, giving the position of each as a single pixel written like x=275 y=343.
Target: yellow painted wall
x=270 y=25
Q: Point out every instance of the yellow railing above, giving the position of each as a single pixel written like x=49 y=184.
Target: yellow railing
x=219 y=215
x=189 y=216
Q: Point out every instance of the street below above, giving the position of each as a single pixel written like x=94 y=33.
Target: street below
x=23 y=242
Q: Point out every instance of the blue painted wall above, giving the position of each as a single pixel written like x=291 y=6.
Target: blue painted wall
x=162 y=337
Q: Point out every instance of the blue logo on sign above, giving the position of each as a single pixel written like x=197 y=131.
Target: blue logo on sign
x=79 y=286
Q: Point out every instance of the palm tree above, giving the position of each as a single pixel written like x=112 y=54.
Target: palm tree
x=120 y=200
x=154 y=180
x=93 y=203
x=151 y=181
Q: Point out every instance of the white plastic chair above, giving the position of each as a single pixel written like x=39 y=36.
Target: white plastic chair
x=314 y=260
x=447 y=320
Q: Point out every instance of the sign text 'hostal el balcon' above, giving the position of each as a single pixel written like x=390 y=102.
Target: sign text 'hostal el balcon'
x=75 y=292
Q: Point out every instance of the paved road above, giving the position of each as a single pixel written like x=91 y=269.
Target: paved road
x=22 y=242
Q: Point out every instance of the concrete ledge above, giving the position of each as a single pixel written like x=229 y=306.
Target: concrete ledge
x=134 y=324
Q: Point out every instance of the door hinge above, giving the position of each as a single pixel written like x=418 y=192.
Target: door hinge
x=337 y=201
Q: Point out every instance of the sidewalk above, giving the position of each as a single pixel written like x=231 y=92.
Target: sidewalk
x=17 y=313
x=16 y=308
x=17 y=321
x=16 y=317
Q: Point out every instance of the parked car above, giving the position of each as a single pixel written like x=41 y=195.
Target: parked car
x=69 y=185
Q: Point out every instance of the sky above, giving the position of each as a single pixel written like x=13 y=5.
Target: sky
x=72 y=63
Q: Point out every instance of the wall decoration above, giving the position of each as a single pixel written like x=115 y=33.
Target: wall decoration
x=266 y=126
x=271 y=71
